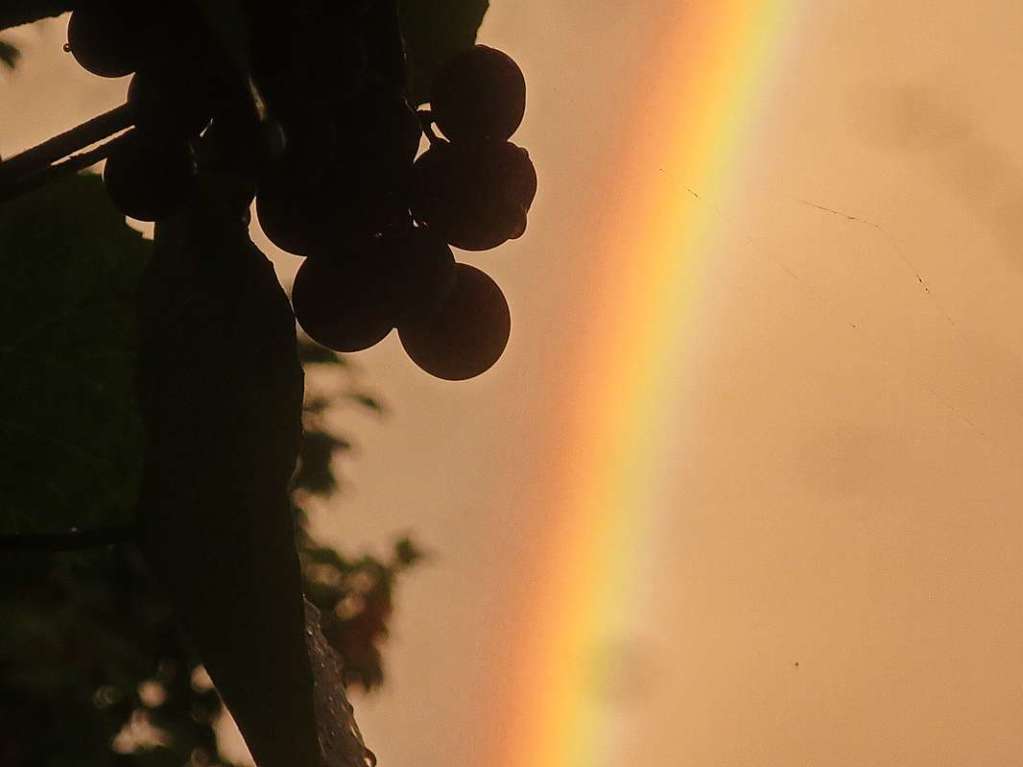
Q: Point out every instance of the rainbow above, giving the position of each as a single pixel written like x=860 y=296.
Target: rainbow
x=713 y=70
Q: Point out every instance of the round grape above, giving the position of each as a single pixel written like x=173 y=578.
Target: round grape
x=103 y=40
x=237 y=142
x=148 y=178
x=345 y=304
x=296 y=198
x=479 y=95
x=476 y=197
x=466 y=334
x=380 y=127
x=423 y=269
x=289 y=213
x=175 y=106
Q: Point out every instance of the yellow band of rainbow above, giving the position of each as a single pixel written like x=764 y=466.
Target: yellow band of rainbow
x=696 y=107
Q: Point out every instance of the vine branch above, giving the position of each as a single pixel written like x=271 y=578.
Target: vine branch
x=78 y=138
x=72 y=164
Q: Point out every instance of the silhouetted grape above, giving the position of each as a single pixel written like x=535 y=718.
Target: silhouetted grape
x=327 y=69
x=233 y=151
x=379 y=127
x=345 y=304
x=177 y=41
x=330 y=210
x=476 y=197
x=354 y=183
x=466 y=334
x=173 y=105
x=148 y=178
x=237 y=142
x=291 y=210
x=479 y=95
x=297 y=195
x=103 y=40
x=331 y=65
x=370 y=174
x=423 y=270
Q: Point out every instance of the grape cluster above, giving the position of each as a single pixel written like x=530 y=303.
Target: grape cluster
x=323 y=137
x=171 y=96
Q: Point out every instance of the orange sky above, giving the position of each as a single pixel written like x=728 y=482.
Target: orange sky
x=847 y=485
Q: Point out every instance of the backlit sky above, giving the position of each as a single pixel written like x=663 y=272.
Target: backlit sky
x=848 y=428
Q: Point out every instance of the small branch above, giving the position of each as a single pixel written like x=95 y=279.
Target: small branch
x=72 y=540
x=18 y=12
x=73 y=164
x=89 y=132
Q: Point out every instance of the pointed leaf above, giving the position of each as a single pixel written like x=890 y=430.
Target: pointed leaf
x=313 y=354
x=9 y=54
x=367 y=401
x=221 y=391
x=314 y=473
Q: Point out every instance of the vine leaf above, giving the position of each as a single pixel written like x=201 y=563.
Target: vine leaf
x=434 y=31
x=221 y=391
x=9 y=54
x=70 y=434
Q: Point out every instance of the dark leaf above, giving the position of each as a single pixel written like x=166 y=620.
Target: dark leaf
x=310 y=353
x=434 y=31
x=221 y=391
x=314 y=473
x=367 y=401
x=70 y=434
x=9 y=54
x=327 y=556
x=316 y=404
x=407 y=553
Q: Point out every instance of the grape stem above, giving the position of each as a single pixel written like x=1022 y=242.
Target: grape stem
x=71 y=540
x=39 y=157
x=49 y=173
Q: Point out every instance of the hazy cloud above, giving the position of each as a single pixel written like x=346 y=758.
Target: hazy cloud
x=921 y=120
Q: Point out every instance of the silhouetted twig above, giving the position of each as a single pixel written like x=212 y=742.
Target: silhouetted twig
x=39 y=157
x=72 y=164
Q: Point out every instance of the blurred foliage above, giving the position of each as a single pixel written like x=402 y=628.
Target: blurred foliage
x=70 y=433
x=9 y=54
x=93 y=670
